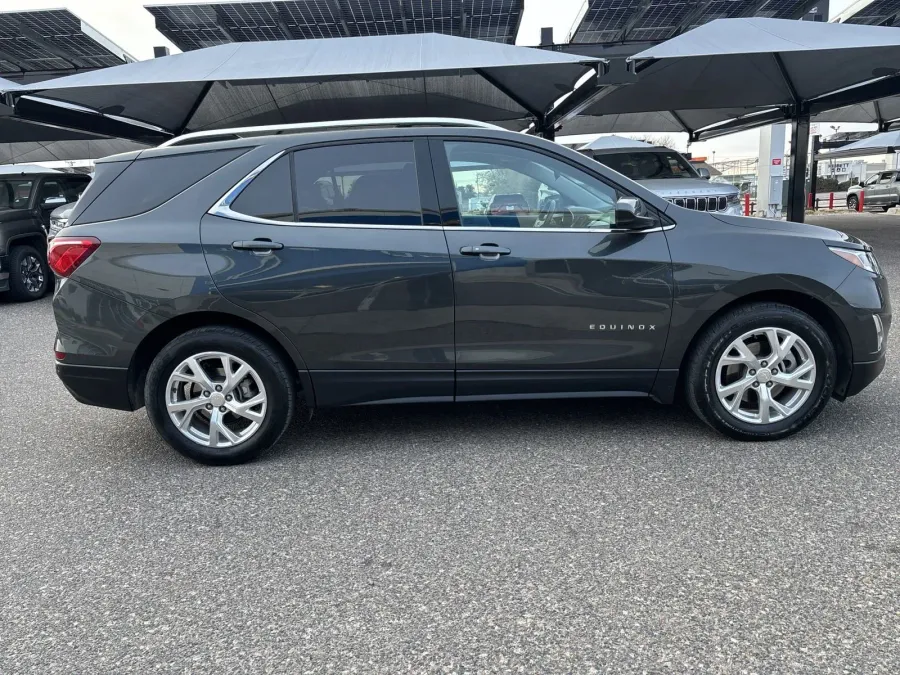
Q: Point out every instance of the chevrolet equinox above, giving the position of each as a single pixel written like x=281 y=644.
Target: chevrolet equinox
x=220 y=283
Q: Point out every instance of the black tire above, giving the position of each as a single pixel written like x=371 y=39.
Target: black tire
x=853 y=203
x=274 y=373
x=701 y=373
x=886 y=208
x=29 y=274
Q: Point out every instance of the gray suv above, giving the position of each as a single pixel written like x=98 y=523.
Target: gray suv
x=881 y=191
x=221 y=283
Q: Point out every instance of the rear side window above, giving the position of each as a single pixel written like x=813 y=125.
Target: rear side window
x=358 y=184
x=147 y=183
x=269 y=195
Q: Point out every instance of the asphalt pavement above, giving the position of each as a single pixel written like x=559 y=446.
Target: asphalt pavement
x=574 y=536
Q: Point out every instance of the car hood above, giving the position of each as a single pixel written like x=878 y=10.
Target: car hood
x=687 y=187
x=826 y=234
x=63 y=211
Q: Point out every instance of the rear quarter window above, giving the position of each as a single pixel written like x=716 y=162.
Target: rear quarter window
x=148 y=183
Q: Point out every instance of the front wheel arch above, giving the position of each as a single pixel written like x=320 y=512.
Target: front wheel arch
x=817 y=309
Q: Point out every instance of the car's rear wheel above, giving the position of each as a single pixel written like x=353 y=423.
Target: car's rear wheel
x=853 y=203
x=29 y=276
x=762 y=371
x=219 y=395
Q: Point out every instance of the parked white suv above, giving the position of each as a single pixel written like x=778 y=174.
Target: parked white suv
x=670 y=175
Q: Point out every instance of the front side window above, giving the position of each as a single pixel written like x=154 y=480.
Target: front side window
x=506 y=186
x=358 y=184
x=648 y=165
x=14 y=193
x=872 y=180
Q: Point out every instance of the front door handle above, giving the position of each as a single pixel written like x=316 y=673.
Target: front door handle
x=258 y=245
x=485 y=251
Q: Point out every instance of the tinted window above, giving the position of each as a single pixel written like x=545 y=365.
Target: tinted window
x=362 y=183
x=269 y=195
x=647 y=165
x=75 y=185
x=14 y=193
x=147 y=183
x=53 y=190
x=505 y=186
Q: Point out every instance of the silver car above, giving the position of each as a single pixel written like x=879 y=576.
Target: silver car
x=881 y=190
x=671 y=176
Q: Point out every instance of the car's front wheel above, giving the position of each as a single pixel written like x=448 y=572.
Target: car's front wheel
x=853 y=203
x=29 y=277
x=761 y=371
x=219 y=395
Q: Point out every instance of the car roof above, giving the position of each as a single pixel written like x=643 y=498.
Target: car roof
x=630 y=150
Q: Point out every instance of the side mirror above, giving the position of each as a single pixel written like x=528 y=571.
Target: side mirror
x=632 y=214
x=704 y=172
x=53 y=202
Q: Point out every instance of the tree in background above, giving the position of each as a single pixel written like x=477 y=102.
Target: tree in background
x=662 y=140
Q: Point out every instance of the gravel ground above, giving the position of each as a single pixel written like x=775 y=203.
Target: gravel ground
x=540 y=537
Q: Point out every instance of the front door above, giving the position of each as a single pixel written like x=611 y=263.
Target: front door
x=357 y=275
x=550 y=298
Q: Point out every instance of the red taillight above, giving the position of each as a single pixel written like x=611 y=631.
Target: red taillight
x=67 y=253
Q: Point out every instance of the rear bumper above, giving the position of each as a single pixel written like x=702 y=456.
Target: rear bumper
x=96 y=385
x=864 y=374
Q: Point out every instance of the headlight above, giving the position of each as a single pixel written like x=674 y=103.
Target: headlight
x=862 y=259
x=733 y=200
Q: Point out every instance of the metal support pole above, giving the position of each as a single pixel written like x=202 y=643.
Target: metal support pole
x=796 y=200
x=814 y=169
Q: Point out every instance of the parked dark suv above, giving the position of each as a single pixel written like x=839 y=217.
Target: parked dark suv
x=27 y=196
x=220 y=283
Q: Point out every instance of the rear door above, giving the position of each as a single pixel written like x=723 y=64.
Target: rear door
x=351 y=265
x=551 y=299
x=882 y=189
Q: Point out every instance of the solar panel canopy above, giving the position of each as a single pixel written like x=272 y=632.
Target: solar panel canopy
x=52 y=41
x=651 y=20
x=877 y=13
x=197 y=25
x=312 y=80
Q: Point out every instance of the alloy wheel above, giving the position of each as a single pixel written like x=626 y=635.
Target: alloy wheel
x=32 y=273
x=216 y=399
x=765 y=375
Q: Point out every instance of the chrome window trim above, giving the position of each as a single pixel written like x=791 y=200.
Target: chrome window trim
x=222 y=208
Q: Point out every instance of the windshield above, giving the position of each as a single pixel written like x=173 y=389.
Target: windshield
x=14 y=193
x=646 y=165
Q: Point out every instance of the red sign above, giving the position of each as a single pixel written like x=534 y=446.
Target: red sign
x=776 y=161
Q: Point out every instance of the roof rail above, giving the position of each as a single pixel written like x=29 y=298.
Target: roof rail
x=212 y=135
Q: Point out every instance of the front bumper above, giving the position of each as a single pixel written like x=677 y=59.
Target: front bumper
x=96 y=385
x=864 y=374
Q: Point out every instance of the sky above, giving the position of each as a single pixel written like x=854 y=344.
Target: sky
x=133 y=30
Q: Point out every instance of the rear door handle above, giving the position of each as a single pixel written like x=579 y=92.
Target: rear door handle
x=258 y=245
x=486 y=251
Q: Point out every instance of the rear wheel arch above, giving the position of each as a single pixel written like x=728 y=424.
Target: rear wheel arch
x=812 y=306
x=36 y=239
x=170 y=329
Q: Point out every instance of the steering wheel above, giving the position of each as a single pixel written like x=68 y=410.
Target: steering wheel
x=579 y=217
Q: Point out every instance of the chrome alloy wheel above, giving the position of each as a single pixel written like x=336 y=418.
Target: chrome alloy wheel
x=216 y=399
x=766 y=375
x=32 y=273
